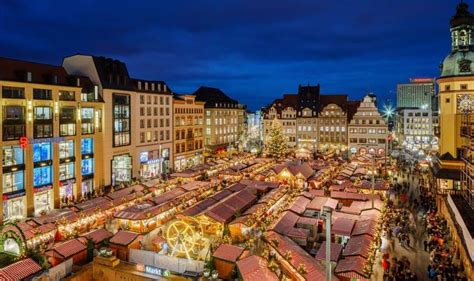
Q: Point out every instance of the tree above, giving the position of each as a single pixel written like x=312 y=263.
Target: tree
x=276 y=142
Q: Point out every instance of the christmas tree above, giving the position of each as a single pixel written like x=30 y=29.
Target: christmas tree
x=276 y=141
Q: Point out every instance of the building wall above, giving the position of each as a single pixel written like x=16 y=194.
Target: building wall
x=416 y=94
x=415 y=129
x=64 y=177
x=222 y=126
x=188 y=132
x=332 y=127
x=367 y=131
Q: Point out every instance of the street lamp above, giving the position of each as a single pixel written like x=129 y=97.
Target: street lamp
x=326 y=215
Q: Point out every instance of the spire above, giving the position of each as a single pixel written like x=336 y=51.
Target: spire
x=462 y=16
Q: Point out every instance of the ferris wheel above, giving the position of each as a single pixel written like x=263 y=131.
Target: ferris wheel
x=184 y=237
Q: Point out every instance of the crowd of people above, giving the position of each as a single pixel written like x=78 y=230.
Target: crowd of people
x=412 y=218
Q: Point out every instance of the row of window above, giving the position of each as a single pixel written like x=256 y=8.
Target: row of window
x=188 y=134
x=153 y=136
x=181 y=147
x=38 y=94
x=366 y=131
x=163 y=123
x=163 y=100
x=188 y=121
x=155 y=111
x=370 y=121
x=188 y=110
x=224 y=112
x=365 y=140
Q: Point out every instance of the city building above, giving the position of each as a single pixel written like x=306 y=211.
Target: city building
x=414 y=130
x=368 y=130
x=188 y=131
x=138 y=119
x=310 y=120
x=418 y=93
x=51 y=138
x=453 y=167
x=224 y=119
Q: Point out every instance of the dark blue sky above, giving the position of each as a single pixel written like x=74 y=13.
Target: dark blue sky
x=254 y=50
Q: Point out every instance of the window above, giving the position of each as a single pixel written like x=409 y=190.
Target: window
x=447 y=87
x=13 y=93
x=87 y=146
x=87 y=166
x=87 y=116
x=463 y=86
x=43 y=122
x=67 y=96
x=13 y=209
x=208 y=131
x=13 y=122
x=142 y=99
x=67 y=121
x=42 y=94
x=448 y=100
x=121 y=129
x=42 y=176
x=142 y=124
x=66 y=149
x=42 y=152
x=13 y=181
x=12 y=155
x=66 y=171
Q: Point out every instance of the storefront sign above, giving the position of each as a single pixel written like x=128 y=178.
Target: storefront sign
x=144 y=157
x=15 y=194
x=24 y=141
x=67 y=182
x=43 y=188
x=154 y=270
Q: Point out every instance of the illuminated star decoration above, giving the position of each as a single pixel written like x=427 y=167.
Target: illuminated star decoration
x=388 y=111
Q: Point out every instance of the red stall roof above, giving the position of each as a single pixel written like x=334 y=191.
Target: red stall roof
x=228 y=252
x=358 y=246
x=299 y=205
x=20 y=270
x=255 y=268
x=364 y=227
x=124 y=238
x=317 y=203
x=286 y=222
x=68 y=249
x=351 y=267
x=99 y=235
x=342 y=226
x=336 y=251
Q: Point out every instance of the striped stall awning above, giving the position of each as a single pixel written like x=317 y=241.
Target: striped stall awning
x=20 y=270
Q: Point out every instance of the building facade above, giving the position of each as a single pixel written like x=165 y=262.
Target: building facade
x=188 y=131
x=453 y=168
x=224 y=119
x=137 y=121
x=368 y=130
x=414 y=130
x=51 y=137
x=418 y=93
x=310 y=120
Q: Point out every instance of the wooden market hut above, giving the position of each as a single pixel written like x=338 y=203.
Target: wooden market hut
x=225 y=258
x=123 y=241
x=255 y=268
x=351 y=268
x=20 y=270
x=74 y=248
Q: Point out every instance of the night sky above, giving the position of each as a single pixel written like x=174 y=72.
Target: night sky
x=253 y=50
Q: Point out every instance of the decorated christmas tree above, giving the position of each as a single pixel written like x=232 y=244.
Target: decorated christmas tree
x=276 y=142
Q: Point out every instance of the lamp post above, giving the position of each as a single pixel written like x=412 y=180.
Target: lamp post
x=373 y=179
x=326 y=214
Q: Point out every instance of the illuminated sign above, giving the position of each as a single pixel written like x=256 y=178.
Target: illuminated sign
x=421 y=80
x=24 y=141
x=144 y=157
x=156 y=271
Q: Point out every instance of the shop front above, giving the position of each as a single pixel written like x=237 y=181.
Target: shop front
x=66 y=190
x=43 y=200
x=121 y=169
x=150 y=164
x=180 y=163
x=14 y=206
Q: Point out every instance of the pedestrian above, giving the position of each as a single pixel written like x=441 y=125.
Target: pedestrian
x=425 y=245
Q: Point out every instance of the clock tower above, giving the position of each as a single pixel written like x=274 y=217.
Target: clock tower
x=456 y=99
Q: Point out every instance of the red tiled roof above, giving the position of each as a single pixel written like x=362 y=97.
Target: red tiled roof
x=286 y=222
x=351 y=264
x=228 y=252
x=193 y=185
x=123 y=238
x=336 y=251
x=348 y=195
x=20 y=270
x=307 y=221
x=69 y=248
x=125 y=192
x=99 y=235
x=5 y=277
x=255 y=268
x=343 y=226
x=221 y=213
x=298 y=233
x=313 y=193
x=315 y=270
x=221 y=194
x=358 y=246
x=317 y=203
x=299 y=205
x=364 y=227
